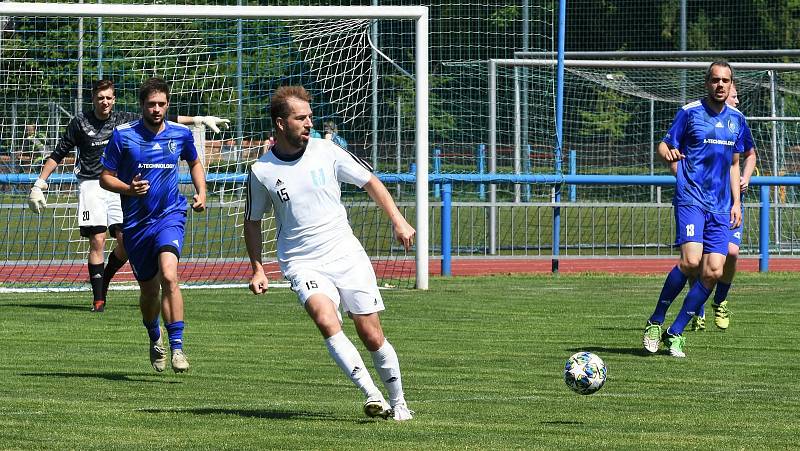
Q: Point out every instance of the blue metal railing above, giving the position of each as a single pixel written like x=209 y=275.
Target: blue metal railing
x=446 y=181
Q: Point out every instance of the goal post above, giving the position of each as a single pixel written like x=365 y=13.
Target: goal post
x=316 y=59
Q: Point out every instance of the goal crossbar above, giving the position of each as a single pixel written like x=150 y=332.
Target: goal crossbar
x=198 y=12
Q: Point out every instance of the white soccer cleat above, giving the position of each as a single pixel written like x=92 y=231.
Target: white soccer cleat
x=376 y=406
x=158 y=355
x=401 y=412
x=179 y=362
x=652 y=337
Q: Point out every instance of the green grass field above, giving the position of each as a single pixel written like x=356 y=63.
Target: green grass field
x=482 y=360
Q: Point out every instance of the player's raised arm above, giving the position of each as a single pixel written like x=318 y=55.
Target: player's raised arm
x=212 y=122
x=403 y=231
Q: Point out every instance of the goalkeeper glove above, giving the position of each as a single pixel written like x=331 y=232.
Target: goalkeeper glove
x=211 y=122
x=36 y=198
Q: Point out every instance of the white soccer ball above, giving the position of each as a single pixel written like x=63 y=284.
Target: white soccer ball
x=585 y=373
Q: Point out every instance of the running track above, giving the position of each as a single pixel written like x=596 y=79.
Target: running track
x=240 y=271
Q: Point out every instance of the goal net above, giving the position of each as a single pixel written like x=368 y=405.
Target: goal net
x=221 y=66
x=615 y=114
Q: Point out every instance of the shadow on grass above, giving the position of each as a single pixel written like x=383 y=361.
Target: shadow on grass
x=637 y=351
x=116 y=377
x=637 y=329
x=271 y=414
x=569 y=423
x=50 y=306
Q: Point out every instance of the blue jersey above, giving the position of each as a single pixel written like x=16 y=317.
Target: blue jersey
x=708 y=140
x=134 y=149
x=748 y=140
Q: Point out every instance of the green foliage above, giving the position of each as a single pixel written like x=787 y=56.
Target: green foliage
x=441 y=121
x=504 y=17
x=701 y=33
x=608 y=117
x=670 y=19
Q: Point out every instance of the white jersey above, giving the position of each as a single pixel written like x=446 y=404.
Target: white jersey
x=305 y=196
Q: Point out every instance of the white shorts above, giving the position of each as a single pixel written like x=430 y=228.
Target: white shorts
x=96 y=206
x=349 y=281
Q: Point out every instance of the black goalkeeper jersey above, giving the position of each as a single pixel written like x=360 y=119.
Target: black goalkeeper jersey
x=89 y=135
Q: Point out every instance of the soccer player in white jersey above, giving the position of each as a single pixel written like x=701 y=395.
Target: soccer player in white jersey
x=141 y=164
x=720 y=304
x=98 y=209
x=702 y=148
x=299 y=181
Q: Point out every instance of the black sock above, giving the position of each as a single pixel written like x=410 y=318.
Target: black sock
x=113 y=265
x=96 y=279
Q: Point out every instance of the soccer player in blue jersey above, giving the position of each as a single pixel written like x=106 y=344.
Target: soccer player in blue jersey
x=702 y=148
x=141 y=164
x=720 y=304
x=98 y=210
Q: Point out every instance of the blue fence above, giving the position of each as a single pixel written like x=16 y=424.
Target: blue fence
x=444 y=181
x=569 y=179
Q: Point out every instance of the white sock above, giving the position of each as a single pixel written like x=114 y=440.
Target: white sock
x=349 y=360
x=388 y=368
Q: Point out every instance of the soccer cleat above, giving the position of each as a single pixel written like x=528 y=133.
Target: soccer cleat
x=699 y=322
x=652 y=337
x=675 y=343
x=99 y=306
x=722 y=315
x=179 y=362
x=401 y=412
x=158 y=355
x=376 y=406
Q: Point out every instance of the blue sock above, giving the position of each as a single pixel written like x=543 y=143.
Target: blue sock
x=675 y=282
x=153 y=331
x=722 y=292
x=175 y=333
x=697 y=296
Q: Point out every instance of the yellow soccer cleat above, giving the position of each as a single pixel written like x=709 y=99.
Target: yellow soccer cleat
x=722 y=315
x=699 y=323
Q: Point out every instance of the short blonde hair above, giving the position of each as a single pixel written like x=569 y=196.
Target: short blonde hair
x=279 y=103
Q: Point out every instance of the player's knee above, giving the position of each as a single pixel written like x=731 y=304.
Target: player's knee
x=712 y=272
x=733 y=252
x=148 y=293
x=689 y=265
x=328 y=325
x=97 y=241
x=169 y=280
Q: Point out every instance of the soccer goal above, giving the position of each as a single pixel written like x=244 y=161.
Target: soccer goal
x=365 y=67
x=615 y=113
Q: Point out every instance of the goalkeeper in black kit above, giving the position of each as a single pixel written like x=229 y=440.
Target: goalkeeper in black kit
x=98 y=210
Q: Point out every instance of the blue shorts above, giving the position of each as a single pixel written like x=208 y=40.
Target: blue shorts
x=145 y=244
x=736 y=234
x=693 y=224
